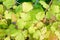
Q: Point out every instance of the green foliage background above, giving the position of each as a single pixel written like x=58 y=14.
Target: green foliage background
x=29 y=19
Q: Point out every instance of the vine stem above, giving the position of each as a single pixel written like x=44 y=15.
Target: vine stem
x=48 y=7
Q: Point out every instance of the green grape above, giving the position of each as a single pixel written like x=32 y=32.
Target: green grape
x=31 y=30
x=20 y=23
x=25 y=33
x=57 y=34
x=40 y=15
x=36 y=35
x=43 y=30
x=54 y=9
x=54 y=26
x=3 y=24
x=15 y=7
x=27 y=6
x=25 y=16
x=28 y=24
x=20 y=36
x=9 y=3
x=1 y=9
x=7 y=14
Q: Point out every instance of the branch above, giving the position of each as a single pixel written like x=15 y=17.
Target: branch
x=48 y=7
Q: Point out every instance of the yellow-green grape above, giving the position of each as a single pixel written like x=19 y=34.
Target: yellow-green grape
x=47 y=34
x=31 y=30
x=57 y=34
x=1 y=9
x=3 y=24
x=54 y=9
x=14 y=7
x=43 y=30
x=25 y=33
x=19 y=36
x=37 y=34
x=27 y=6
x=20 y=23
x=25 y=16
x=38 y=25
x=28 y=24
x=7 y=14
x=54 y=26
x=40 y=15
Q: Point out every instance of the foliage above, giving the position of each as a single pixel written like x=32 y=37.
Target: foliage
x=29 y=19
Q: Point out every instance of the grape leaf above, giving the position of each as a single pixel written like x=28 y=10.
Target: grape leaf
x=20 y=36
x=20 y=23
x=9 y=3
x=36 y=35
x=40 y=15
x=27 y=6
x=45 y=5
x=31 y=30
x=1 y=9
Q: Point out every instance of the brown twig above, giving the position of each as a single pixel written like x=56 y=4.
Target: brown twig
x=48 y=7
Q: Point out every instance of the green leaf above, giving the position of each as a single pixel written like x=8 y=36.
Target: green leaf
x=33 y=13
x=31 y=30
x=2 y=33
x=9 y=3
x=27 y=6
x=1 y=9
x=25 y=33
x=3 y=24
x=25 y=16
x=18 y=9
x=33 y=1
x=54 y=9
x=11 y=30
x=58 y=17
x=45 y=5
x=20 y=23
x=36 y=35
x=28 y=24
x=7 y=14
x=20 y=36
x=40 y=15
x=54 y=26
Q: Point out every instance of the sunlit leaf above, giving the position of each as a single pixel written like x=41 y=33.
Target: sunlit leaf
x=8 y=3
x=27 y=6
